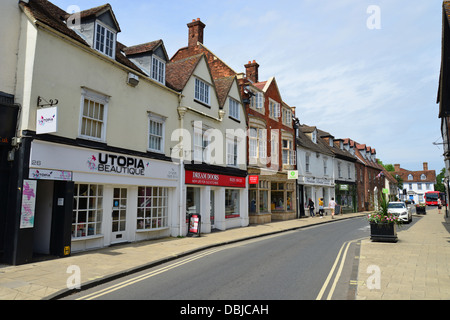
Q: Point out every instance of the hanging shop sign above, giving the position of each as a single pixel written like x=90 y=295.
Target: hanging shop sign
x=28 y=204
x=47 y=120
x=213 y=179
x=292 y=175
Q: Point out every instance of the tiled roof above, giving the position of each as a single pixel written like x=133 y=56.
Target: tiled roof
x=47 y=13
x=179 y=72
x=304 y=141
x=223 y=86
x=142 y=48
x=430 y=175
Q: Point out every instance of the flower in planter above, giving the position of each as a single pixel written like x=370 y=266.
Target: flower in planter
x=382 y=216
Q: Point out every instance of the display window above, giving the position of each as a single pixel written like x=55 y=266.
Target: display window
x=232 y=200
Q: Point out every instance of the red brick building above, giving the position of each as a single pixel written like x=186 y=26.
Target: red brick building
x=271 y=148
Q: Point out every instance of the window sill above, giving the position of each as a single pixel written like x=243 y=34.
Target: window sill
x=87 y=238
x=152 y=230
x=202 y=103
x=234 y=119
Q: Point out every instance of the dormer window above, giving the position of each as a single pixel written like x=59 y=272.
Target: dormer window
x=410 y=177
x=314 y=136
x=158 y=70
x=423 y=177
x=105 y=40
x=331 y=142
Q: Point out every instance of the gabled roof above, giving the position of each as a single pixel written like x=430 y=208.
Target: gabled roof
x=54 y=17
x=179 y=72
x=145 y=48
x=219 y=69
x=98 y=11
x=223 y=87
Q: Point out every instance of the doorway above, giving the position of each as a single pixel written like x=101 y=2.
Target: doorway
x=119 y=216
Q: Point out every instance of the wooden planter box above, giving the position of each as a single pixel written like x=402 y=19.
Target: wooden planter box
x=383 y=232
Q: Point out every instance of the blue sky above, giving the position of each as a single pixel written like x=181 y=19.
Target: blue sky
x=377 y=86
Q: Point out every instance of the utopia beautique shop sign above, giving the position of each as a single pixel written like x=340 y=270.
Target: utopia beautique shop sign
x=109 y=163
x=82 y=162
x=47 y=120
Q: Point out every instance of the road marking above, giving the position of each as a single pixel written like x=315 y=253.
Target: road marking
x=346 y=245
x=146 y=276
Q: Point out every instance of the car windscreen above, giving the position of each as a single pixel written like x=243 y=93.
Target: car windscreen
x=396 y=205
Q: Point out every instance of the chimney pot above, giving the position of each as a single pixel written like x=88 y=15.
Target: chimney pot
x=196 y=31
x=425 y=166
x=252 y=71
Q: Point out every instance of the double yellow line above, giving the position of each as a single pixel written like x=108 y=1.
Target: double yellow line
x=148 y=275
x=340 y=257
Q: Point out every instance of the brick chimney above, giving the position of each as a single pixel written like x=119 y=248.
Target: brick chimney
x=251 y=70
x=196 y=30
x=425 y=166
x=397 y=167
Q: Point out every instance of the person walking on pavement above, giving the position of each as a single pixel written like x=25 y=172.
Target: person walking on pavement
x=311 y=207
x=333 y=207
x=321 y=207
x=439 y=205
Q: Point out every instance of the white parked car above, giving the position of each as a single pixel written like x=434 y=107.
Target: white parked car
x=401 y=210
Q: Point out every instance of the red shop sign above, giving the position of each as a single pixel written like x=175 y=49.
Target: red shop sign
x=253 y=179
x=214 y=179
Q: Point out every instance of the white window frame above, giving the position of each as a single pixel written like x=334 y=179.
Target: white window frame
x=157 y=120
x=274 y=109
x=158 y=70
x=234 y=109
x=93 y=97
x=94 y=205
x=103 y=44
x=154 y=204
x=257 y=101
x=275 y=145
x=202 y=91
x=287 y=117
x=307 y=163
x=232 y=151
x=253 y=142
x=200 y=145
x=288 y=152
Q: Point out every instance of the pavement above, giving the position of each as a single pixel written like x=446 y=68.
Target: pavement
x=416 y=267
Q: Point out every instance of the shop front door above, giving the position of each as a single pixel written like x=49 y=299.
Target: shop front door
x=119 y=216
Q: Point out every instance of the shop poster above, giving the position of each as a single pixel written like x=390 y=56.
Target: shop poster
x=28 y=204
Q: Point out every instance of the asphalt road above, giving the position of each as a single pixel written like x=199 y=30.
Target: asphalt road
x=315 y=263
x=290 y=266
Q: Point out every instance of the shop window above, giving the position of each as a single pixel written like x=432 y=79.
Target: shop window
x=192 y=201
x=263 y=196
x=277 y=196
x=87 y=210
x=152 y=208
x=232 y=203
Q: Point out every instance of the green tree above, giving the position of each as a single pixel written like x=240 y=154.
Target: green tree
x=439 y=186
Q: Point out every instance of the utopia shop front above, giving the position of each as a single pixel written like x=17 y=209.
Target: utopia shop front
x=218 y=195
x=76 y=199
